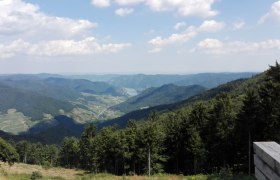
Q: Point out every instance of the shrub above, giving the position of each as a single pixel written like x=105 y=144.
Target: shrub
x=36 y=175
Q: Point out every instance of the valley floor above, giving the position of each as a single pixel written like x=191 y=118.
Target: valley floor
x=24 y=172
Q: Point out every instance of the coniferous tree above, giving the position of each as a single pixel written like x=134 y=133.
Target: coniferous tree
x=151 y=139
x=69 y=153
x=269 y=94
x=132 y=150
x=174 y=142
x=87 y=153
x=222 y=124
x=23 y=148
x=248 y=128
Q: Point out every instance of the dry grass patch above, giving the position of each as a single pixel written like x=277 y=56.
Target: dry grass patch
x=24 y=171
x=19 y=168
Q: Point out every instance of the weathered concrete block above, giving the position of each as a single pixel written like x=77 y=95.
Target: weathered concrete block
x=265 y=169
x=269 y=153
x=259 y=175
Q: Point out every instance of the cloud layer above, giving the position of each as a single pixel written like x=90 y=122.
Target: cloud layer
x=191 y=32
x=217 y=47
x=24 y=29
x=86 y=46
x=200 y=8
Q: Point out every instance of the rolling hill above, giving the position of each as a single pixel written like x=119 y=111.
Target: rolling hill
x=165 y=94
x=29 y=99
x=60 y=88
x=30 y=103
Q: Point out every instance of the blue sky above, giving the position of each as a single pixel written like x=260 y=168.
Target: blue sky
x=138 y=36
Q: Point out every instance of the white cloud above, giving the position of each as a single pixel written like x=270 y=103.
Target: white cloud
x=239 y=24
x=179 y=25
x=101 y=3
x=210 y=44
x=189 y=33
x=87 y=46
x=217 y=47
x=128 y=2
x=11 y=49
x=18 y=17
x=273 y=14
x=124 y=11
x=200 y=8
x=173 y=39
x=211 y=26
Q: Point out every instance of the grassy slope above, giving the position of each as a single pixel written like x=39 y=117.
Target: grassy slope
x=24 y=171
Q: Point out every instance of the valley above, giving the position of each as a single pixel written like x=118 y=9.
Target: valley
x=105 y=132
x=33 y=100
x=139 y=89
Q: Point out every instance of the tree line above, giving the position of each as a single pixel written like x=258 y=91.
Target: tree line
x=202 y=138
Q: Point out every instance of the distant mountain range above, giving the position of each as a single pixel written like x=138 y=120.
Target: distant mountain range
x=59 y=88
x=142 y=81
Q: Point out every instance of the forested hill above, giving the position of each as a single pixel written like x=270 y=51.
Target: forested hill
x=236 y=88
x=165 y=94
x=29 y=100
x=34 y=95
x=59 y=88
x=207 y=132
x=30 y=103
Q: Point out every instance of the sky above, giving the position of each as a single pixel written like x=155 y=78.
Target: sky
x=138 y=36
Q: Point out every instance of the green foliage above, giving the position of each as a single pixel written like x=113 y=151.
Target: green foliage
x=36 y=175
x=7 y=152
x=224 y=116
x=86 y=145
x=69 y=152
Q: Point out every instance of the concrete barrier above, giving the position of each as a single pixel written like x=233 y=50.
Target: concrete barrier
x=267 y=160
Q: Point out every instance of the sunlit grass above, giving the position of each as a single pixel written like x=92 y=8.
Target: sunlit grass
x=24 y=172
